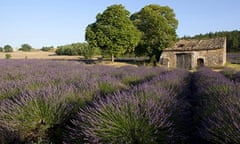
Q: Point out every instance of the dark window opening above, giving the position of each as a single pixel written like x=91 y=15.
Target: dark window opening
x=181 y=45
x=200 y=62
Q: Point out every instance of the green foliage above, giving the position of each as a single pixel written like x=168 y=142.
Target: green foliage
x=11 y=93
x=1 y=49
x=47 y=48
x=113 y=32
x=131 y=80
x=8 y=48
x=233 y=38
x=106 y=88
x=25 y=47
x=8 y=56
x=35 y=117
x=128 y=125
x=89 y=52
x=72 y=49
x=124 y=118
x=158 y=25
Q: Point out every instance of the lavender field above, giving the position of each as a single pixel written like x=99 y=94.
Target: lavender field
x=45 y=101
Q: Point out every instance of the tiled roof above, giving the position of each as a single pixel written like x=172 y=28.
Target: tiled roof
x=197 y=44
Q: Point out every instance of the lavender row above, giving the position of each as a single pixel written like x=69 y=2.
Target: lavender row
x=19 y=75
x=40 y=101
x=177 y=82
x=217 y=105
x=145 y=114
x=232 y=74
x=37 y=98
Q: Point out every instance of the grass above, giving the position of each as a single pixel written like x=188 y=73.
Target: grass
x=233 y=66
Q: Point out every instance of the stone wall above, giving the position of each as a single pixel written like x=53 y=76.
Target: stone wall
x=212 y=58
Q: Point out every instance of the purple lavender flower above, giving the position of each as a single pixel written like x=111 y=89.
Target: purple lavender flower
x=217 y=107
x=122 y=118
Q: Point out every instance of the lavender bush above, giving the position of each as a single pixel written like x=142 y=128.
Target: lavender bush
x=229 y=73
x=217 y=107
x=41 y=101
x=122 y=118
x=236 y=77
x=8 y=137
x=38 y=97
x=141 y=115
x=34 y=113
x=177 y=82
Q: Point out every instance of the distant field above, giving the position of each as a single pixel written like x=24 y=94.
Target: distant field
x=233 y=58
x=37 y=55
x=53 y=56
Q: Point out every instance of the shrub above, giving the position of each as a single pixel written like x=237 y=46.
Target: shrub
x=177 y=82
x=141 y=115
x=216 y=107
x=72 y=49
x=128 y=104
x=33 y=114
x=47 y=48
x=8 y=56
x=229 y=73
x=123 y=118
x=7 y=136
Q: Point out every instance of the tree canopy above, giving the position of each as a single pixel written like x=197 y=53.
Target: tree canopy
x=113 y=32
x=71 y=49
x=25 y=47
x=82 y=49
x=158 y=25
x=8 y=48
x=47 y=48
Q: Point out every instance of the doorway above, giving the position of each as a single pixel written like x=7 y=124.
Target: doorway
x=184 y=60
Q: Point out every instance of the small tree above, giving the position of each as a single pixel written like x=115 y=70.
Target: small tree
x=1 y=49
x=8 y=48
x=25 y=47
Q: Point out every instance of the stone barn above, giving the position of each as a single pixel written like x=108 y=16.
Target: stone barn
x=193 y=53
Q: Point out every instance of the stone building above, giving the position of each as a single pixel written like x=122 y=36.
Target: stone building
x=193 y=53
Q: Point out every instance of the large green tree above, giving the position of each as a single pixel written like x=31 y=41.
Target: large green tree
x=113 y=32
x=158 y=25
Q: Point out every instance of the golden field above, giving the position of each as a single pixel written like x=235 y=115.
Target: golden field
x=37 y=55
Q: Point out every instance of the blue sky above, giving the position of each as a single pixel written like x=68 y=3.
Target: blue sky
x=58 y=22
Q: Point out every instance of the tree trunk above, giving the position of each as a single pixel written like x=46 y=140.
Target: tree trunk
x=112 y=58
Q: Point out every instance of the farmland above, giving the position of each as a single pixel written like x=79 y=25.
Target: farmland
x=43 y=101
x=37 y=55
